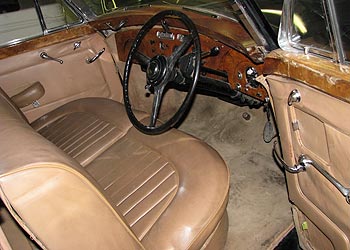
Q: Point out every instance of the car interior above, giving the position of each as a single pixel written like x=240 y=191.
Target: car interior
x=162 y=127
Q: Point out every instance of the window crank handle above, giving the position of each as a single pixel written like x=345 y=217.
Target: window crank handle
x=45 y=56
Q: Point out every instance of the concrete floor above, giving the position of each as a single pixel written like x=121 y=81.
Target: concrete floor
x=258 y=206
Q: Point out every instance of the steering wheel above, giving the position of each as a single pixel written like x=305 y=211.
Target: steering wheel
x=162 y=70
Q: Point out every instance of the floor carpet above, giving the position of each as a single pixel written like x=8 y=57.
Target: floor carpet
x=258 y=206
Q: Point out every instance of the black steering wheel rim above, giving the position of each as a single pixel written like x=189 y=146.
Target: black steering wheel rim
x=193 y=33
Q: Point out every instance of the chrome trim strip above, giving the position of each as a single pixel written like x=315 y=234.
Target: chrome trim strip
x=335 y=31
x=40 y=16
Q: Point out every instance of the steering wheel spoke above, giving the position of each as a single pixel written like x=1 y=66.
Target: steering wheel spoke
x=179 y=51
x=142 y=59
x=157 y=101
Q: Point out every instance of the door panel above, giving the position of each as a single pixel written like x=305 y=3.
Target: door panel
x=65 y=82
x=312 y=234
x=317 y=126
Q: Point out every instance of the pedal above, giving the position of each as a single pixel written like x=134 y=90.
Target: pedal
x=269 y=130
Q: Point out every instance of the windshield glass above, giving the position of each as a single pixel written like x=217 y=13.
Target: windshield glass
x=101 y=7
x=272 y=10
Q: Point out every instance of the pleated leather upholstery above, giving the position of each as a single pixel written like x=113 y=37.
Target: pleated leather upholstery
x=80 y=134
x=171 y=190
x=85 y=128
x=139 y=180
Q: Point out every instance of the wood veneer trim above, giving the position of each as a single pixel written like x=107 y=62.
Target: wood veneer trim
x=46 y=40
x=316 y=72
x=225 y=30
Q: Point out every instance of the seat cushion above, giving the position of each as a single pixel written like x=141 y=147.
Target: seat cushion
x=86 y=127
x=172 y=188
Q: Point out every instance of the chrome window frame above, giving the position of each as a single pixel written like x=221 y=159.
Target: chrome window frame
x=289 y=41
x=336 y=31
x=45 y=30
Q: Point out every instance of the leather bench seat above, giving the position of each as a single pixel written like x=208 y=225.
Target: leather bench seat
x=86 y=127
x=102 y=184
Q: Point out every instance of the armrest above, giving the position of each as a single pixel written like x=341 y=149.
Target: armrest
x=31 y=94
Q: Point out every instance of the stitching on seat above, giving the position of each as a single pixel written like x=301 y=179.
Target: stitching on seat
x=72 y=133
x=95 y=141
x=150 y=192
x=148 y=210
x=86 y=137
x=119 y=177
x=46 y=129
x=143 y=183
x=82 y=134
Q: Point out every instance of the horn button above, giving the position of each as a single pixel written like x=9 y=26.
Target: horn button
x=156 y=70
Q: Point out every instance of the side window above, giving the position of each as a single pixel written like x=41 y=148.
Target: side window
x=311 y=26
x=19 y=19
x=317 y=26
x=57 y=14
x=305 y=27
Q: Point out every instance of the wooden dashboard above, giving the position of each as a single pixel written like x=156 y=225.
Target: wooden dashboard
x=233 y=63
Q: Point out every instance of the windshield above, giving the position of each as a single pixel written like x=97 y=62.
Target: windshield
x=272 y=10
x=101 y=7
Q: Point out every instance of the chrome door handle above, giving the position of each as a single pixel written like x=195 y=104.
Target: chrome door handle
x=303 y=163
x=45 y=56
x=95 y=57
x=294 y=96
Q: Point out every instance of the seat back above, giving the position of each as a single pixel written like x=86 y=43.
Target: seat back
x=11 y=106
x=51 y=196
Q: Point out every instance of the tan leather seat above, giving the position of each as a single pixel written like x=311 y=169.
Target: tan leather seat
x=122 y=190
x=86 y=127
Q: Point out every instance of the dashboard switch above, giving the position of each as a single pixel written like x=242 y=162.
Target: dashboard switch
x=251 y=75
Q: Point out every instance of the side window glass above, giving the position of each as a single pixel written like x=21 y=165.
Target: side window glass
x=305 y=26
x=317 y=26
x=18 y=21
x=57 y=14
x=311 y=26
